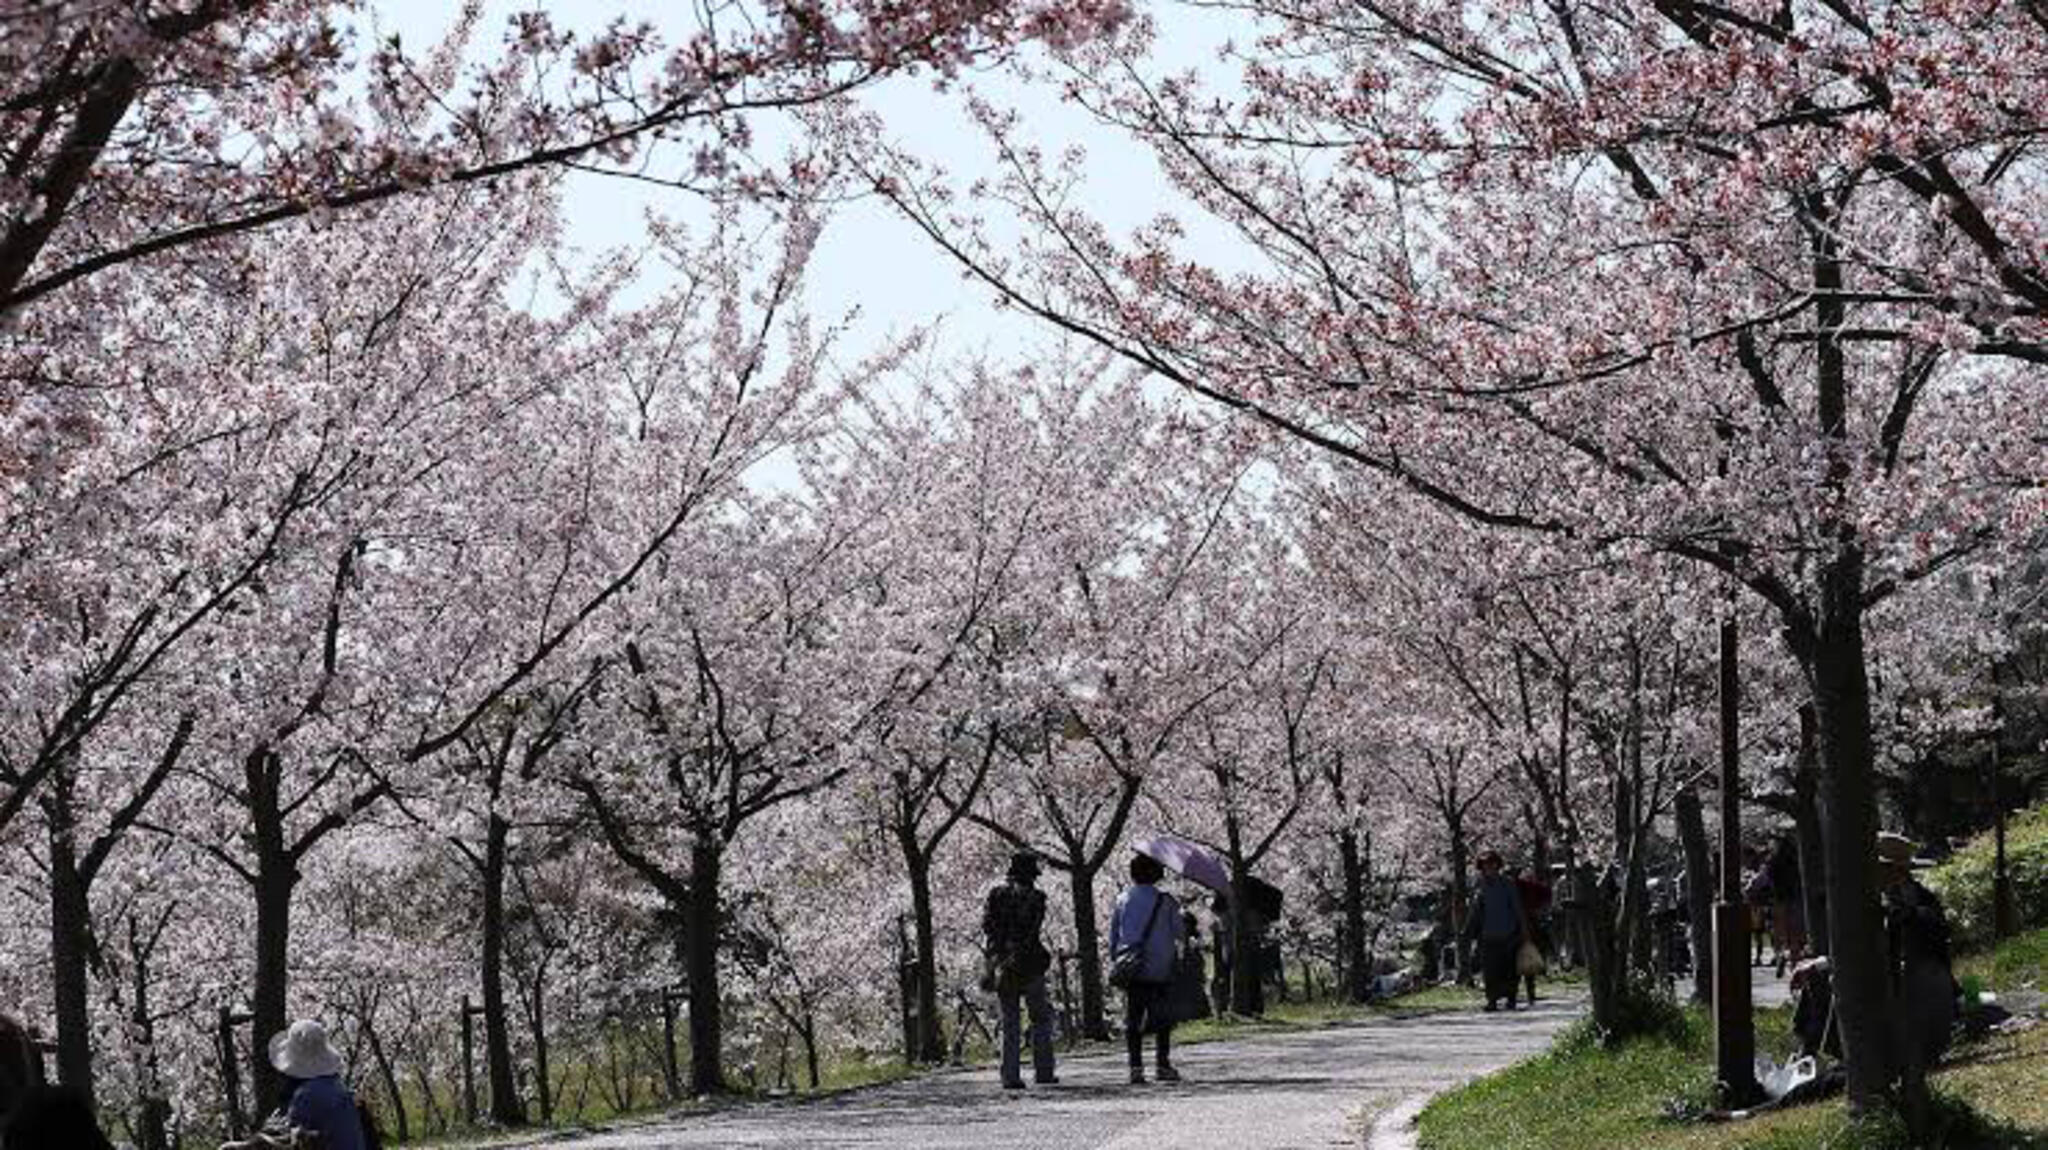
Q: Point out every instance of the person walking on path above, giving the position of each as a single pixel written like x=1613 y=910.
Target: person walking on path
x=1788 y=912
x=1496 y=922
x=1011 y=921
x=1756 y=901
x=1144 y=931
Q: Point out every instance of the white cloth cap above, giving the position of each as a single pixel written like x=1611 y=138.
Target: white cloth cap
x=304 y=1052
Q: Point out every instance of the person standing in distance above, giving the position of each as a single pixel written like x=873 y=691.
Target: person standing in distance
x=1011 y=922
x=1495 y=922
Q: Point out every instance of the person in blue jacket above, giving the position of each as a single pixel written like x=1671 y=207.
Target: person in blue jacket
x=320 y=1101
x=1147 y=921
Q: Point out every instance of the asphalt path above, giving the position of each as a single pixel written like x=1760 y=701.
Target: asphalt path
x=1298 y=1089
x=1354 y=1084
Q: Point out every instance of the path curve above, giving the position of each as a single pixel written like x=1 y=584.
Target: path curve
x=1292 y=1091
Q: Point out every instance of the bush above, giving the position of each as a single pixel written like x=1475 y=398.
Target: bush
x=1643 y=1008
x=1964 y=881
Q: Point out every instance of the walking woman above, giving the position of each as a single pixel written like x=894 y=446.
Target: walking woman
x=1143 y=933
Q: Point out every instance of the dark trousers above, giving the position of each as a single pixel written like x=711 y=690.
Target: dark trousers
x=1040 y=1004
x=1145 y=1010
x=1497 y=967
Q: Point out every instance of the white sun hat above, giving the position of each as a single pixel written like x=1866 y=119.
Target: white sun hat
x=304 y=1052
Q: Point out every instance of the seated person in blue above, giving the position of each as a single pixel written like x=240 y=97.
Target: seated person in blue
x=320 y=1111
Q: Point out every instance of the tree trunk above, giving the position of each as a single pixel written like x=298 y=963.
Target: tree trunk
x=1841 y=698
x=507 y=1109
x=1244 y=947
x=1806 y=822
x=70 y=949
x=152 y=1109
x=536 y=1021
x=389 y=1075
x=1604 y=976
x=1461 y=894
x=701 y=929
x=276 y=879
x=929 y=1043
x=1699 y=890
x=809 y=1034
x=1357 y=963
x=1088 y=952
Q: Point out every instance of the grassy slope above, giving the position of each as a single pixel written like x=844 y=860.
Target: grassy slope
x=1578 y=1096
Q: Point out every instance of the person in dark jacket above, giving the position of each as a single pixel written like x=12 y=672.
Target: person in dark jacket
x=1917 y=934
x=53 y=1118
x=1011 y=921
x=1496 y=922
x=1788 y=908
x=20 y=1070
x=1535 y=902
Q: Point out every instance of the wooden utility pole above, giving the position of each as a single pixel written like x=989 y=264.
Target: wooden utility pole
x=469 y=1013
x=1734 y=1025
x=672 y=999
x=230 y=1064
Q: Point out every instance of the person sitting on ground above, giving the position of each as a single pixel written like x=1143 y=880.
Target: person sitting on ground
x=317 y=1104
x=53 y=1118
x=1495 y=921
x=1147 y=923
x=1917 y=931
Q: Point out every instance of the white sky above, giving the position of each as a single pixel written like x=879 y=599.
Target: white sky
x=869 y=258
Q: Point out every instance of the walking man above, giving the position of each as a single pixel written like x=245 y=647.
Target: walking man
x=1018 y=960
x=1496 y=922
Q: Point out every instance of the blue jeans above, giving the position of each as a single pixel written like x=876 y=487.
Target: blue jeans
x=1040 y=1003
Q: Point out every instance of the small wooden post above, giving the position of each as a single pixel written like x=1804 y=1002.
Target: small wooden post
x=44 y=1050
x=671 y=1076
x=469 y=1013
x=1068 y=1031
x=230 y=1069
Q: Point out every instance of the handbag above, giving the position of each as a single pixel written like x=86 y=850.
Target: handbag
x=1125 y=968
x=1528 y=960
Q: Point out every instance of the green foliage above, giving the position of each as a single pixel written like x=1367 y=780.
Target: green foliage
x=1586 y=1091
x=1964 y=881
x=1653 y=1093
x=1644 y=1008
x=2021 y=961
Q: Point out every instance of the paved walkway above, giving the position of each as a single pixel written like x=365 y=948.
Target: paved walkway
x=1354 y=1085
x=1277 y=1092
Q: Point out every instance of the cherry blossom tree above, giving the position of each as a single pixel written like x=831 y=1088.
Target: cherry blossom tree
x=134 y=131
x=1753 y=286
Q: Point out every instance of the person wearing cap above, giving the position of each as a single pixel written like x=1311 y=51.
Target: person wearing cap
x=1495 y=921
x=1011 y=922
x=1917 y=931
x=319 y=1103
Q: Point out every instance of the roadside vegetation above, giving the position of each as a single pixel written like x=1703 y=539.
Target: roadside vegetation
x=1654 y=1092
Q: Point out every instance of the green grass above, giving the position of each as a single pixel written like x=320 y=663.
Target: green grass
x=2018 y=963
x=1649 y=1093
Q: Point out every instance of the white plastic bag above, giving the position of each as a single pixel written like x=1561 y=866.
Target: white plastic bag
x=1778 y=1081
